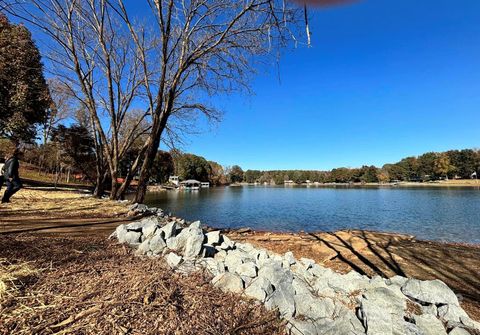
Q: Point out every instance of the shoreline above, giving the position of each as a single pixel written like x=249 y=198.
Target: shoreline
x=453 y=184
x=392 y=234
x=41 y=214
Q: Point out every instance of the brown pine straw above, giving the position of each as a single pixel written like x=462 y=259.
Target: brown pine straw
x=13 y=276
x=91 y=286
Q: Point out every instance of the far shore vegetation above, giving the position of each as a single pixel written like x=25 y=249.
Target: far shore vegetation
x=68 y=160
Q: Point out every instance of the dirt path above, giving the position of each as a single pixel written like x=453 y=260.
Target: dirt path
x=69 y=212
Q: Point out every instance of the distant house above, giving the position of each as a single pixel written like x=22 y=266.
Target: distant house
x=205 y=184
x=289 y=182
x=174 y=180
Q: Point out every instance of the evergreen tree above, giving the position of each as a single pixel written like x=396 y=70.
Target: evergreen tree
x=24 y=97
x=236 y=174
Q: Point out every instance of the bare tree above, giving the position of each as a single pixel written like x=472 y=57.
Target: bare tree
x=96 y=62
x=201 y=47
x=189 y=51
x=62 y=107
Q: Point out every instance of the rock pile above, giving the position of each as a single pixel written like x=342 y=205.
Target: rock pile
x=313 y=299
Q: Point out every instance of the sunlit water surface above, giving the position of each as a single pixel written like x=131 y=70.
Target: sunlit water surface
x=448 y=214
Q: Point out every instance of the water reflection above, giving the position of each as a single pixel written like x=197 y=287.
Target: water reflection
x=429 y=213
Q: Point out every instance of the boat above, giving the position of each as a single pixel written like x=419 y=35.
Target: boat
x=190 y=185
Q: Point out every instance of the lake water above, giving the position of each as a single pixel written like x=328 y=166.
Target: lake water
x=447 y=214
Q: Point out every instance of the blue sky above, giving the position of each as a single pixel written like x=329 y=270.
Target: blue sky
x=384 y=79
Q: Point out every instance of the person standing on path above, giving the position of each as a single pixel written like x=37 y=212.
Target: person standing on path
x=10 y=174
x=2 y=164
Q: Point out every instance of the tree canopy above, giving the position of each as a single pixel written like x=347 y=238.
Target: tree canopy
x=24 y=95
x=189 y=166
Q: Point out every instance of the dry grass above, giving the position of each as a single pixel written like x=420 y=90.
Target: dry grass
x=61 y=204
x=446 y=183
x=90 y=286
x=14 y=276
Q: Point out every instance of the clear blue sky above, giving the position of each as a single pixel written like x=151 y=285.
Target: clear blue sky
x=384 y=79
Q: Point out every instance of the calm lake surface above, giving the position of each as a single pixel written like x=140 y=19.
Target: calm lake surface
x=446 y=214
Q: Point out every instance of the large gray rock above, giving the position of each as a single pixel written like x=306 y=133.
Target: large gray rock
x=213 y=238
x=149 y=227
x=459 y=331
x=301 y=286
x=289 y=258
x=345 y=323
x=429 y=309
x=283 y=299
x=133 y=237
x=188 y=266
x=143 y=248
x=382 y=311
x=228 y=282
x=429 y=324
x=377 y=281
x=189 y=240
x=226 y=244
x=173 y=260
x=176 y=244
x=261 y=258
x=470 y=323
x=313 y=308
x=302 y=327
x=120 y=233
x=215 y=267
x=300 y=271
x=308 y=305
x=194 y=243
x=451 y=313
x=234 y=259
x=407 y=328
x=259 y=289
x=196 y=225
x=220 y=255
x=348 y=283
x=137 y=225
x=169 y=230
x=247 y=269
x=275 y=274
x=430 y=291
x=327 y=292
x=396 y=280
x=157 y=244
x=247 y=247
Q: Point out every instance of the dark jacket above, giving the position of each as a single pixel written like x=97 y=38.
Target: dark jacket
x=10 y=170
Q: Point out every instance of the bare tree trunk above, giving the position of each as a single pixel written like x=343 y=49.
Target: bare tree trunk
x=159 y=125
x=145 y=172
x=120 y=195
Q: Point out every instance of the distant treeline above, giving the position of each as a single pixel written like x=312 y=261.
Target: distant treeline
x=71 y=150
x=463 y=164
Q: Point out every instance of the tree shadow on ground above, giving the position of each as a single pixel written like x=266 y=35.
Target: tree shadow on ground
x=456 y=265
